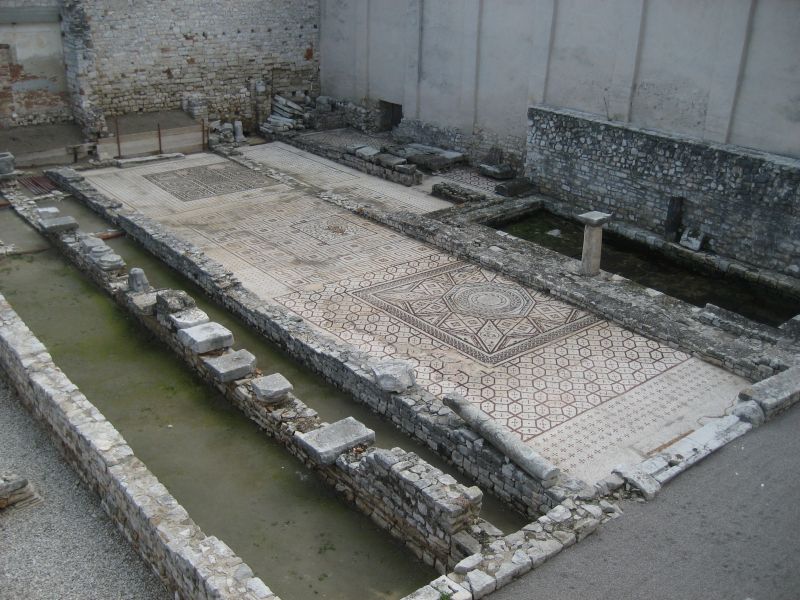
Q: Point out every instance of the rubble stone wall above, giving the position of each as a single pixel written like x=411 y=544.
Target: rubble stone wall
x=746 y=203
x=122 y=59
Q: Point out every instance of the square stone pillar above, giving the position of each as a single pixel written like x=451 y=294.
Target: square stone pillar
x=592 y=241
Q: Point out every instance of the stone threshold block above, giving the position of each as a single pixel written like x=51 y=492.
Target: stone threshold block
x=776 y=393
x=324 y=445
x=207 y=337
x=231 y=366
x=271 y=389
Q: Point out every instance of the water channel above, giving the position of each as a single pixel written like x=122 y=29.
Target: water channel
x=652 y=269
x=234 y=481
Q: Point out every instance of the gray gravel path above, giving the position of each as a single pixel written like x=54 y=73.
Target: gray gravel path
x=64 y=547
x=728 y=529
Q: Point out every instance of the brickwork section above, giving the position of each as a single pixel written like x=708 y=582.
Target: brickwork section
x=746 y=203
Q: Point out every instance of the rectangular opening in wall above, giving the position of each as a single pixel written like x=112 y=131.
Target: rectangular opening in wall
x=391 y=115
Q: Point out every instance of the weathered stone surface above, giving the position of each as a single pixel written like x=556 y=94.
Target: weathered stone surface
x=448 y=588
x=776 y=393
x=692 y=240
x=206 y=338
x=792 y=327
x=388 y=160
x=367 y=152
x=523 y=455
x=394 y=375
x=594 y=218
x=47 y=211
x=59 y=224
x=271 y=388
x=480 y=584
x=515 y=188
x=325 y=444
x=501 y=171
x=144 y=302
x=639 y=479
x=109 y=261
x=750 y=411
x=137 y=280
x=172 y=301
x=191 y=317
x=231 y=366
x=6 y=163
x=468 y=564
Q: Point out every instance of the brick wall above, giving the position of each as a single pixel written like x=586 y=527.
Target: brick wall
x=747 y=203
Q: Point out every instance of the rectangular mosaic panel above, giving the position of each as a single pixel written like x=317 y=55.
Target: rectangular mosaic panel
x=207 y=181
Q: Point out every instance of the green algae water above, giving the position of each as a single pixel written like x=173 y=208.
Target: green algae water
x=330 y=403
x=647 y=267
x=235 y=482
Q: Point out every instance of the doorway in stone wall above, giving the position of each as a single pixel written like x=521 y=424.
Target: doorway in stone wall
x=391 y=115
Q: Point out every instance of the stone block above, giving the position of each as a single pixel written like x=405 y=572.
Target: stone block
x=480 y=584
x=792 y=327
x=776 y=393
x=394 y=375
x=6 y=163
x=389 y=160
x=501 y=171
x=750 y=412
x=47 y=211
x=367 y=152
x=59 y=224
x=231 y=366
x=515 y=188
x=448 y=588
x=172 y=301
x=144 y=302
x=191 y=317
x=692 y=240
x=272 y=388
x=137 y=280
x=594 y=218
x=110 y=261
x=324 y=445
x=206 y=338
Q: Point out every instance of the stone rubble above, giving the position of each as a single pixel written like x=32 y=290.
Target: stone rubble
x=15 y=490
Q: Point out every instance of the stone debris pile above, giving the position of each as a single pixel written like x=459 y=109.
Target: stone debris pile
x=286 y=116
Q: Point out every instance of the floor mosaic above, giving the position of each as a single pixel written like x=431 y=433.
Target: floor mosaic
x=342 y=138
x=196 y=183
x=466 y=175
x=585 y=392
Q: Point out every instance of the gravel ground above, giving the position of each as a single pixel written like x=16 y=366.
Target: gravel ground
x=64 y=547
x=727 y=529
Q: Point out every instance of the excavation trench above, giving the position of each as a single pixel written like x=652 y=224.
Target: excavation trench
x=236 y=483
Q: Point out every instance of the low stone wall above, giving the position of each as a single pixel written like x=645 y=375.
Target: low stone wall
x=191 y=564
x=746 y=203
x=475 y=145
x=414 y=411
x=402 y=493
x=408 y=176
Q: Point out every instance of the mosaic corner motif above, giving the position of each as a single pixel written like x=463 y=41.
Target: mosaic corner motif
x=476 y=313
x=206 y=181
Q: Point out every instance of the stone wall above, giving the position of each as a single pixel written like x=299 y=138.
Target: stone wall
x=121 y=60
x=191 y=564
x=475 y=145
x=745 y=203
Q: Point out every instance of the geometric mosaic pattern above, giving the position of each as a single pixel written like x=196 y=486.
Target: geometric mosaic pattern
x=536 y=389
x=332 y=230
x=466 y=307
x=470 y=176
x=196 y=183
